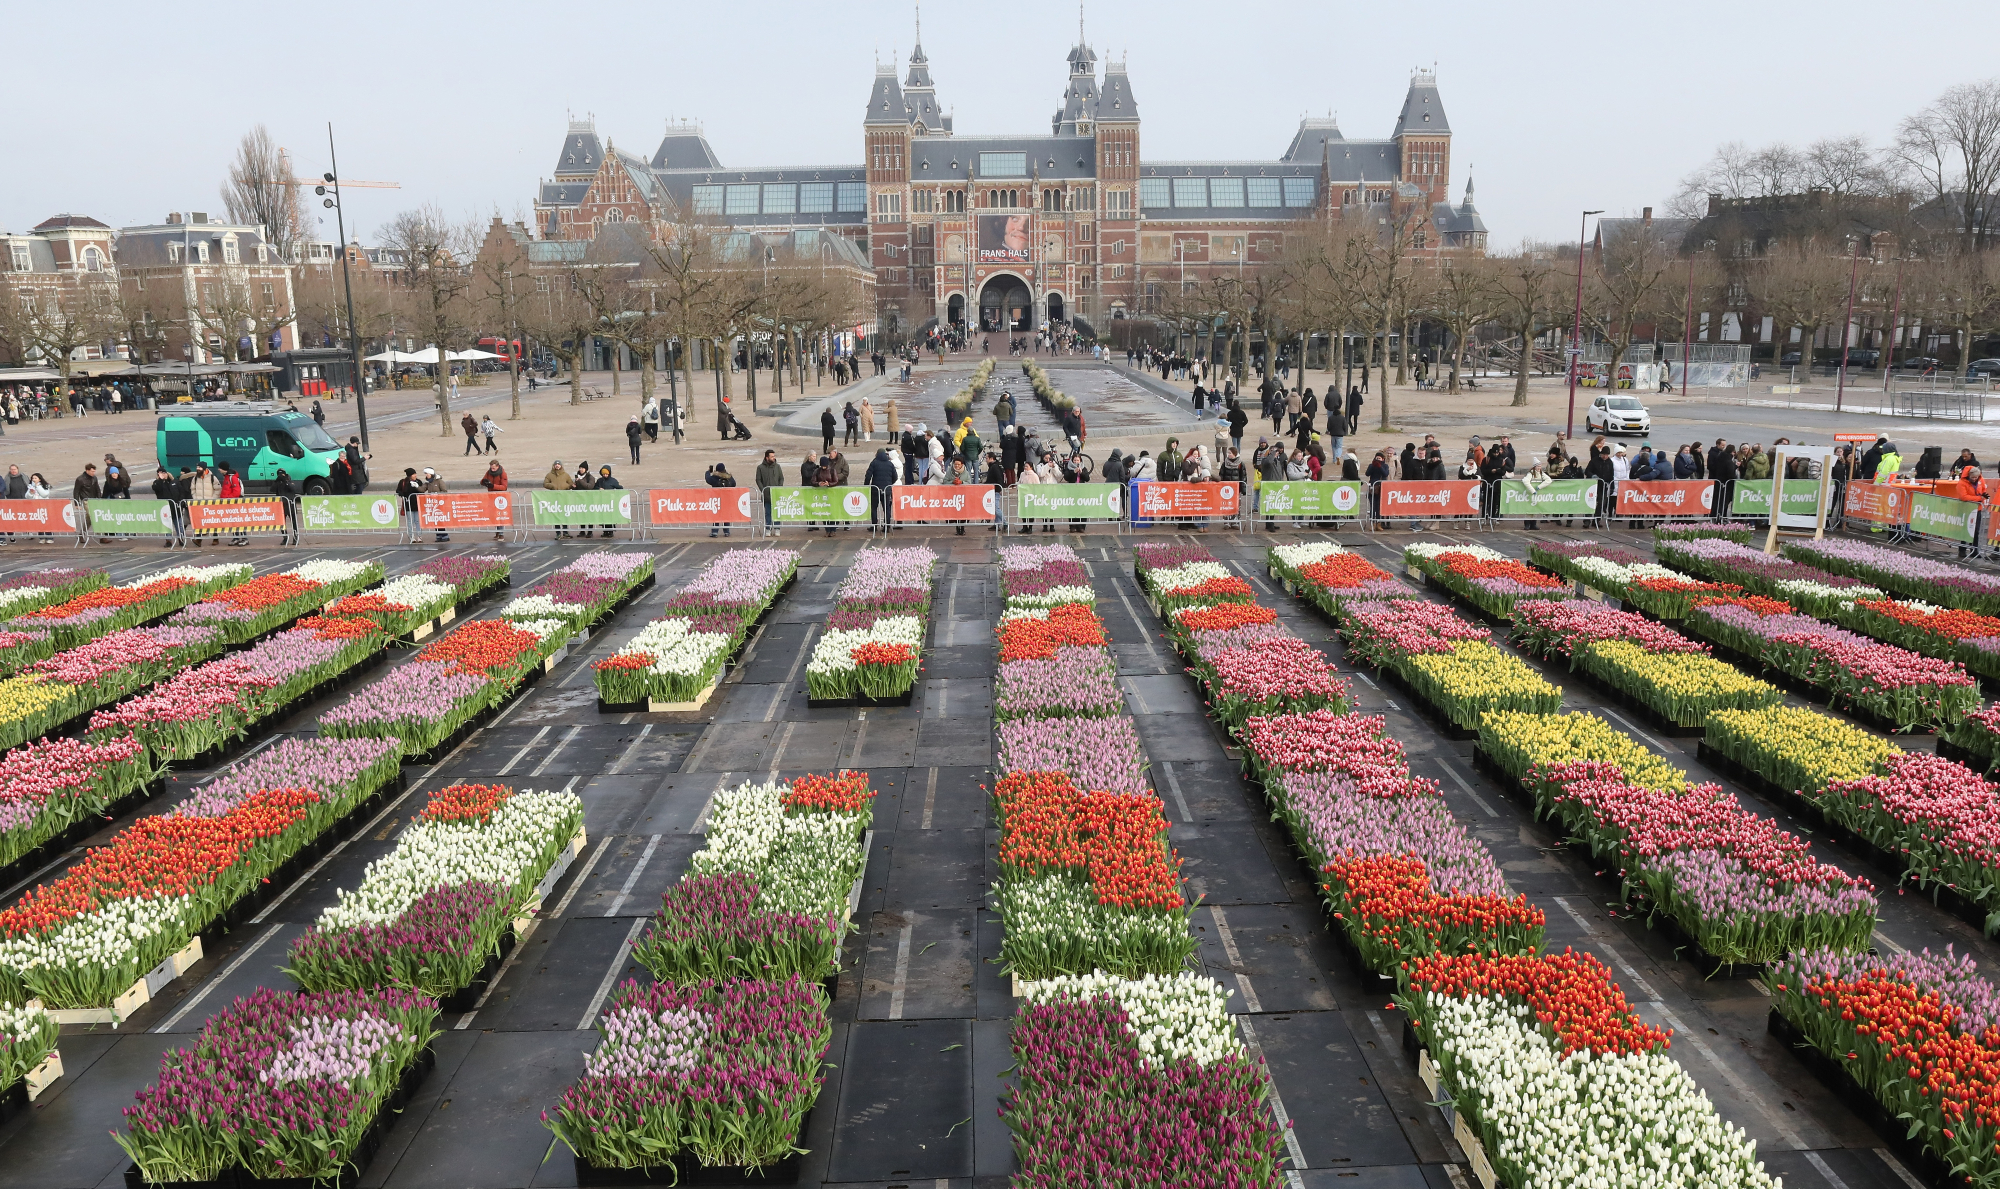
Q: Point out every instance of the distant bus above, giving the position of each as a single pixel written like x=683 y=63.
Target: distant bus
x=510 y=349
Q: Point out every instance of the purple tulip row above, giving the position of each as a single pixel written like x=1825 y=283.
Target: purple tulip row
x=278 y=1085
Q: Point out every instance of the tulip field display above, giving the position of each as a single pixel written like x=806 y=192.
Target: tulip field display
x=1974 y=739
x=102 y=610
x=1185 y=575
x=1908 y=574
x=1809 y=588
x=1124 y=1084
x=1696 y=530
x=28 y=1037
x=1674 y=598
x=678 y=658
x=1401 y=876
x=1646 y=662
x=39 y=588
x=52 y=789
x=408 y=604
x=1937 y=822
x=1515 y=743
x=1607 y=568
x=208 y=706
x=1967 y=637
x=1323 y=574
x=53 y=691
x=1443 y=660
x=584 y=591
x=1087 y=881
x=739 y=582
x=282 y=1086
x=1098 y=753
x=1917 y=1033
x=1485 y=578
x=1556 y=1081
x=1742 y=888
x=425 y=701
x=1043 y=576
x=100 y=936
x=873 y=645
x=1076 y=682
x=1249 y=665
x=771 y=893
x=1791 y=748
x=704 y=1074
x=19 y=649
x=432 y=914
x=1896 y=687
x=249 y=609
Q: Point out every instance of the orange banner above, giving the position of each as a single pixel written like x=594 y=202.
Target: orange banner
x=235 y=516
x=1878 y=503
x=1428 y=497
x=38 y=516
x=962 y=501
x=1186 y=499
x=1665 y=497
x=465 y=509
x=704 y=505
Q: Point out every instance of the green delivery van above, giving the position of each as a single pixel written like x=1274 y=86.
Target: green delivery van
x=257 y=441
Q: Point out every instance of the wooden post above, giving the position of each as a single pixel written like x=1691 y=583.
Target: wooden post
x=1777 y=496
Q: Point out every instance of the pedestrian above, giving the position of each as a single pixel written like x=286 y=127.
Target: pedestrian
x=718 y=476
x=769 y=475
x=633 y=433
x=434 y=485
x=651 y=419
x=86 y=486
x=495 y=479
x=1238 y=419
x=867 y=414
x=232 y=489
x=724 y=420
x=607 y=482
x=556 y=480
x=1354 y=402
x=467 y=423
x=851 y=416
x=117 y=481
x=164 y=488
x=319 y=415
x=893 y=424
x=357 y=462
x=489 y=427
x=826 y=424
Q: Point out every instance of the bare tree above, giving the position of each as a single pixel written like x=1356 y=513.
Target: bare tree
x=560 y=319
x=1696 y=287
x=1954 y=147
x=1465 y=296
x=1844 y=166
x=504 y=283
x=435 y=250
x=58 y=321
x=1627 y=286
x=259 y=191
x=1804 y=290
x=1963 y=292
x=1530 y=299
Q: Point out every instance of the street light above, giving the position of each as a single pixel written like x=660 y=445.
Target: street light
x=347 y=281
x=1576 y=333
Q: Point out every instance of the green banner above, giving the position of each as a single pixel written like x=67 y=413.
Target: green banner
x=793 y=505
x=348 y=513
x=1342 y=498
x=1800 y=500
x=1070 y=501
x=1939 y=516
x=583 y=507
x=1562 y=497
x=131 y=516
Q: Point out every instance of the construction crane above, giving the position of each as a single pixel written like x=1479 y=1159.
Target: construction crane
x=286 y=167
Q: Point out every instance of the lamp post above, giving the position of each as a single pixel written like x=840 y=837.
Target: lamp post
x=1847 y=327
x=347 y=281
x=1576 y=331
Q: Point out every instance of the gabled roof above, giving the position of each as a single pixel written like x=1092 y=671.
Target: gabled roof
x=582 y=152
x=71 y=222
x=1313 y=134
x=885 y=102
x=1050 y=158
x=562 y=193
x=1423 y=110
x=641 y=175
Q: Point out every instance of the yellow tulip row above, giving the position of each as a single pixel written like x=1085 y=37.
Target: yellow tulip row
x=1517 y=741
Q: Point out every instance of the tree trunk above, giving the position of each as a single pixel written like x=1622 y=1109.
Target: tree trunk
x=646 y=377
x=1402 y=356
x=1383 y=398
x=1521 y=365
x=1458 y=361
x=617 y=357
x=514 y=378
x=443 y=388
x=576 y=376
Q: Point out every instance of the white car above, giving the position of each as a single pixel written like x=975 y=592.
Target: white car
x=1614 y=413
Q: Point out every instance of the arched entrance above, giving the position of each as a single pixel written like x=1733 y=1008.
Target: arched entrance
x=1005 y=305
x=1056 y=309
x=955 y=310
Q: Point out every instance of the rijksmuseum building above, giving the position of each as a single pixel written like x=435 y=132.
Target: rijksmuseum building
x=1077 y=224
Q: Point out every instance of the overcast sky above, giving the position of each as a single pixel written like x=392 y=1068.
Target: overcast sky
x=1555 y=107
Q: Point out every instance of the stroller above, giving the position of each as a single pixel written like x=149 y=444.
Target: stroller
x=738 y=430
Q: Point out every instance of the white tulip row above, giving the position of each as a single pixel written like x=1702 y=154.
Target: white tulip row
x=1055 y=596
x=1613 y=576
x=511 y=849
x=1430 y=549
x=1306 y=554
x=108 y=937
x=424 y=595
x=677 y=650
x=327 y=571
x=1174 y=1017
x=834 y=652
x=802 y=862
x=1188 y=576
x=1615 y=1121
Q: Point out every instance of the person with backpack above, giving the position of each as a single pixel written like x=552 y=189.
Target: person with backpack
x=470 y=425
